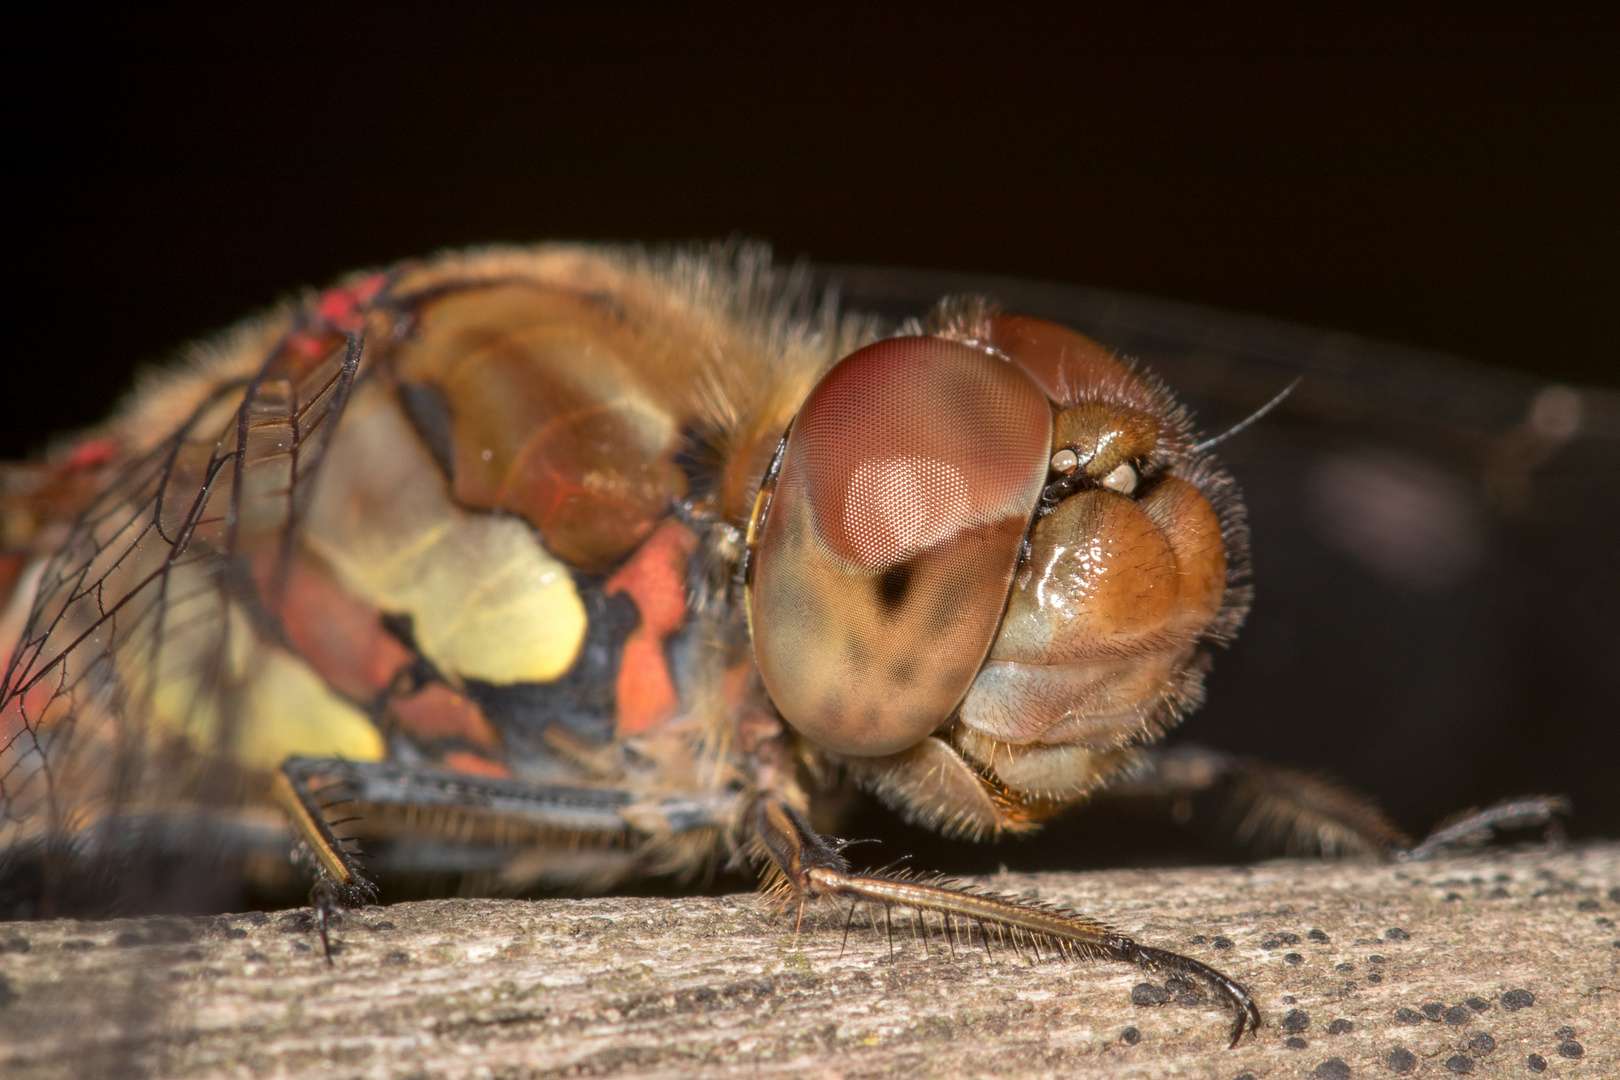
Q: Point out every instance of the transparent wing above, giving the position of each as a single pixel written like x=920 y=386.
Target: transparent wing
x=124 y=693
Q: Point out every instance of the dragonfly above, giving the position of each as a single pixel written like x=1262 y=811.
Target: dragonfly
x=571 y=566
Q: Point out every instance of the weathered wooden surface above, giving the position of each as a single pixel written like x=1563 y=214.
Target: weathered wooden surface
x=715 y=987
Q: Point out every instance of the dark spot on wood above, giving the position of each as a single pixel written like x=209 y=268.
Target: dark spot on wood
x=1294 y=1042
x=15 y=944
x=1587 y=905
x=1293 y=958
x=76 y=945
x=1408 y=1016
x=1344 y=968
x=1375 y=959
x=1536 y=1063
x=1341 y=1026
x=1332 y=1069
x=1222 y=943
x=1499 y=893
x=1458 y=1015
x=1317 y=935
x=1460 y=1063
x=300 y=922
x=1395 y=933
x=1199 y=939
x=169 y=932
x=1375 y=978
x=1478 y=1004
x=1148 y=994
x=1296 y=1021
x=1565 y=1032
x=1434 y=1010
x=1482 y=1043
x=1130 y=1036
x=1514 y=1000
x=1401 y=1060
x=397 y=957
x=235 y=933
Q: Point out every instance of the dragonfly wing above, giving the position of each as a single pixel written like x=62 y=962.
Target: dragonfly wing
x=135 y=676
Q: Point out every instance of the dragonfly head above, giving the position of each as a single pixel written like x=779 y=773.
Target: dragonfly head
x=995 y=530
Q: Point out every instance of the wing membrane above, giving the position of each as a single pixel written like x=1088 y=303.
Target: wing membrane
x=124 y=691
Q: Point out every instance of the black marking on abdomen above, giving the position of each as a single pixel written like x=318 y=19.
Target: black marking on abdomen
x=428 y=409
x=583 y=700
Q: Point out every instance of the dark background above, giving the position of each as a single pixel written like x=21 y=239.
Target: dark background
x=1444 y=175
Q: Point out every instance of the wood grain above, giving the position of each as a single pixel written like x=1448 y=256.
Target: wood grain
x=1512 y=952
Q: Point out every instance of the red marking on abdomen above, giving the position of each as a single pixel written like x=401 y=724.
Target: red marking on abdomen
x=655 y=579
x=338 y=634
x=340 y=307
x=438 y=712
x=92 y=453
x=463 y=761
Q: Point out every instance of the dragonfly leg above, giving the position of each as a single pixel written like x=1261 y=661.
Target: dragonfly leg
x=1282 y=807
x=306 y=789
x=1305 y=813
x=512 y=834
x=1475 y=826
x=813 y=867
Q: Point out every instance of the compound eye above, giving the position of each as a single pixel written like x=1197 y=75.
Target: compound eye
x=888 y=547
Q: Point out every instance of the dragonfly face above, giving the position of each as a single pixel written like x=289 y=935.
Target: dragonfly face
x=1011 y=502
x=1437 y=630
x=570 y=565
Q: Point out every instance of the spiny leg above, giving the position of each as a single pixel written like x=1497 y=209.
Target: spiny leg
x=496 y=816
x=339 y=883
x=1312 y=814
x=1469 y=827
x=813 y=867
x=853 y=904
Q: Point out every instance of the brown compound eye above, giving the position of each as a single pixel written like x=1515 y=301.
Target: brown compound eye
x=887 y=553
